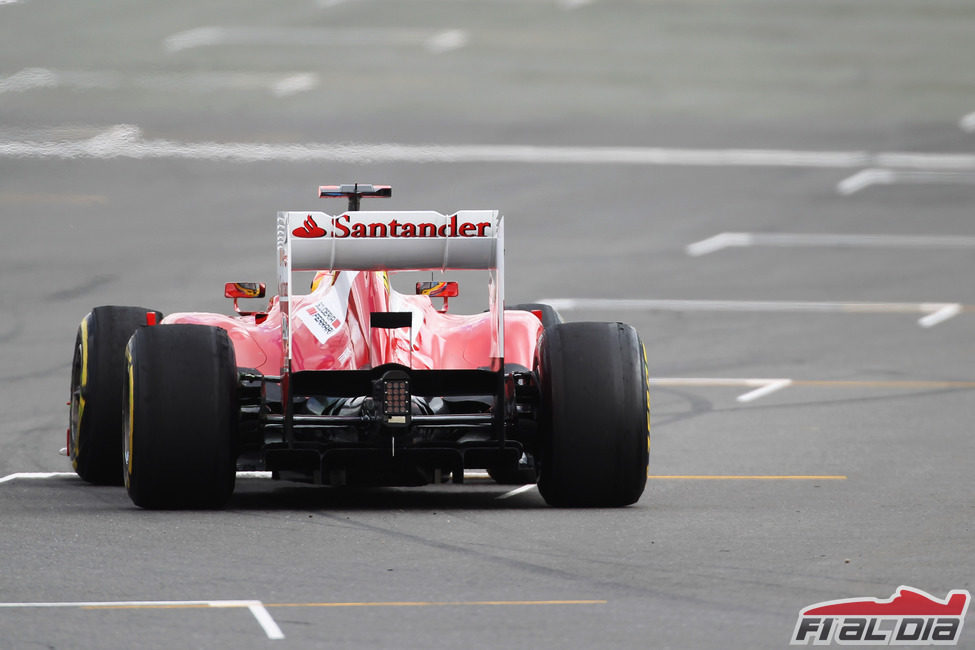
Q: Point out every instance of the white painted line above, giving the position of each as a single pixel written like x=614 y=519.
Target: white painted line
x=28 y=79
x=941 y=315
x=120 y=136
x=868 y=177
x=108 y=603
x=708 y=381
x=517 y=491
x=940 y=161
x=929 y=309
x=66 y=133
x=569 y=5
x=281 y=86
x=130 y=603
x=260 y=613
x=256 y=608
x=47 y=475
x=294 y=84
x=967 y=123
x=34 y=475
x=786 y=240
x=770 y=387
x=762 y=387
x=864 y=179
x=298 y=37
x=447 y=41
x=264 y=619
x=193 y=38
x=250 y=474
x=137 y=148
x=718 y=242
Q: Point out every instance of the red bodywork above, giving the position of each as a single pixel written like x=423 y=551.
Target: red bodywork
x=439 y=341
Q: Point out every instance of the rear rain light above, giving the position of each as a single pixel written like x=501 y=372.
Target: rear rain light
x=396 y=401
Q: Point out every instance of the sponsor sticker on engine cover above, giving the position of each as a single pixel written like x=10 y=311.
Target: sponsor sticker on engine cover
x=326 y=316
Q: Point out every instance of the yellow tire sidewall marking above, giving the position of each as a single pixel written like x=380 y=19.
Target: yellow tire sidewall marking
x=84 y=351
x=76 y=439
x=646 y=379
x=131 y=406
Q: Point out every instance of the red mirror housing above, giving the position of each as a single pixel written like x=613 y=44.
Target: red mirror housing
x=438 y=289
x=237 y=290
x=244 y=290
x=443 y=290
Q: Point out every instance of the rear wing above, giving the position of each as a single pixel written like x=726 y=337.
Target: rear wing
x=392 y=241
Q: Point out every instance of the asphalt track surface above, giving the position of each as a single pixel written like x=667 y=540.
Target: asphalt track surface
x=811 y=435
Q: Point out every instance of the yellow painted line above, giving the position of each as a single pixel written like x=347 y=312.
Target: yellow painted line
x=63 y=199
x=446 y=603
x=750 y=477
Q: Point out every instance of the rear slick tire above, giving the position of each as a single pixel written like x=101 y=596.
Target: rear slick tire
x=95 y=420
x=180 y=417
x=594 y=423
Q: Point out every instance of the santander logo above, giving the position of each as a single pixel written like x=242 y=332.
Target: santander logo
x=309 y=229
x=343 y=227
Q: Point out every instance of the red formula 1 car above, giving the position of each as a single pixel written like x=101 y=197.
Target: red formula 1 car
x=355 y=383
